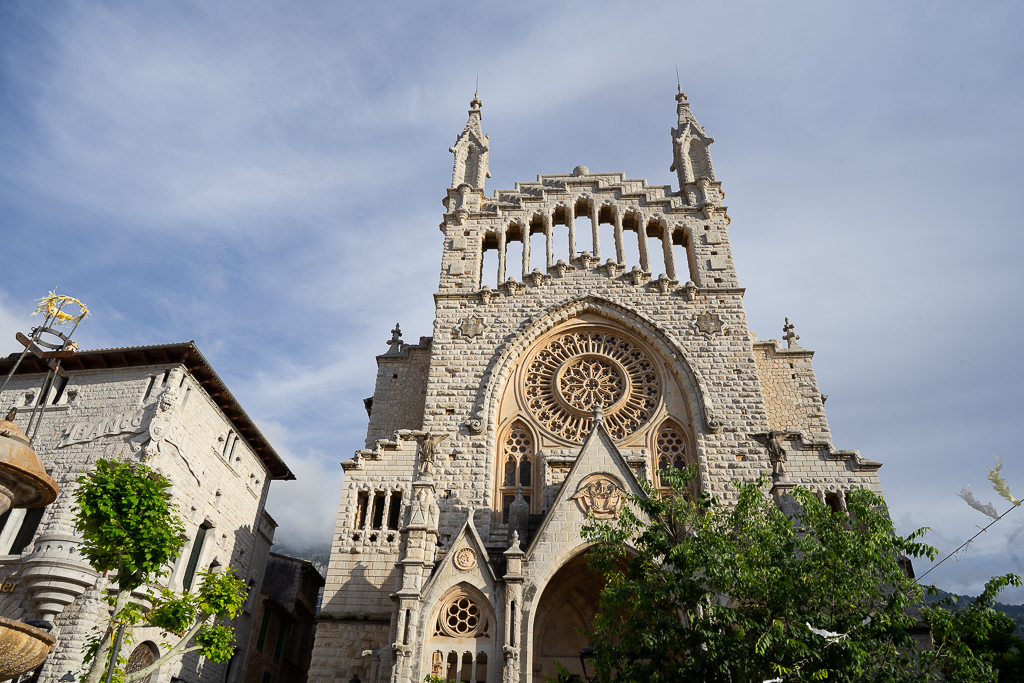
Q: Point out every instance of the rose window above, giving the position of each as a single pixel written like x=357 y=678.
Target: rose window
x=461 y=618
x=589 y=381
x=574 y=372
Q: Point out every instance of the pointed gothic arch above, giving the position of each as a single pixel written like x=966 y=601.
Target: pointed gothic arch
x=516 y=464
x=461 y=636
x=697 y=396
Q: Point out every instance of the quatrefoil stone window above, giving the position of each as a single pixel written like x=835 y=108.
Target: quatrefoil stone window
x=577 y=370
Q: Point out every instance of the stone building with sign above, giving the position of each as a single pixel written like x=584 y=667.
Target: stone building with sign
x=165 y=406
x=589 y=331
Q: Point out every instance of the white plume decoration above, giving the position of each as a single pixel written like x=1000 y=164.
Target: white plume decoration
x=988 y=509
x=827 y=635
x=999 y=484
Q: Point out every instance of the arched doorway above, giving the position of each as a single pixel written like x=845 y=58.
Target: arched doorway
x=569 y=602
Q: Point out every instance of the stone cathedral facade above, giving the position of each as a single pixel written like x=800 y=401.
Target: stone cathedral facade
x=545 y=397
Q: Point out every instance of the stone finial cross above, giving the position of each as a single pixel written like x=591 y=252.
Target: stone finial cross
x=396 y=339
x=789 y=335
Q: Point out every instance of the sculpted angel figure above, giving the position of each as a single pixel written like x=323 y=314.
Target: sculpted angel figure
x=428 y=451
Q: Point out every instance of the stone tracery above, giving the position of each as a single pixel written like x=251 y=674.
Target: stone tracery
x=574 y=371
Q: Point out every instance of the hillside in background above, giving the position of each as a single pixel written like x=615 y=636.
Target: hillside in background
x=1015 y=612
x=317 y=554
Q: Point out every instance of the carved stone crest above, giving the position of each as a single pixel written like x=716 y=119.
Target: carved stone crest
x=601 y=495
x=709 y=323
x=471 y=326
x=465 y=559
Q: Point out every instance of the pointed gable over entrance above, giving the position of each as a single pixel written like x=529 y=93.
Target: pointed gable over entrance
x=598 y=483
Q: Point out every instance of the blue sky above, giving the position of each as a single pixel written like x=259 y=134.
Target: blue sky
x=266 y=177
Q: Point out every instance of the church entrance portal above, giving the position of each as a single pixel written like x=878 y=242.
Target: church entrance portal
x=569 y=602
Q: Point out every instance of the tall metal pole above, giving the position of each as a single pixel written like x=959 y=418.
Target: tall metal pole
x=115 y=651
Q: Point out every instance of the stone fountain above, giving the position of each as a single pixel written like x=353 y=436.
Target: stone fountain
x=23 y=484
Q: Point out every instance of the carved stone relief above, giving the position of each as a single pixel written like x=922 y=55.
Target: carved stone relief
x=709 y=323
x=471 y=326
x=600 y=495
x=465 y=559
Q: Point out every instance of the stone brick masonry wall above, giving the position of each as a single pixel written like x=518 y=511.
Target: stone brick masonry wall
x=218 y=481
x=400 y=391
x=790 y=390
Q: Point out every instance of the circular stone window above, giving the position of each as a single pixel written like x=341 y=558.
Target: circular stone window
x=575 y=371
x=461 y=618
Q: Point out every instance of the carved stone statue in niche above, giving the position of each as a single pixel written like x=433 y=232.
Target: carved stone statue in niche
x=428 y=452
x=774 y=441
x=518 y=517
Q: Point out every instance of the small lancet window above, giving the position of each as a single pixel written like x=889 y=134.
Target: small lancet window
x=671 y=447
x=517 y=454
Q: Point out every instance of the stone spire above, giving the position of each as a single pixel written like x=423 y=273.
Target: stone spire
x=470 y=150
x=690 y=158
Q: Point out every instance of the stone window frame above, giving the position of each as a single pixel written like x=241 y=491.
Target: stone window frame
x=689 y=454
x=468 y=648
x=536 y=472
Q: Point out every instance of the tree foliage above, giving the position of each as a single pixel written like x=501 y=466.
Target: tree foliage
x=697 y=590
x=128 y=522
x=132 y=529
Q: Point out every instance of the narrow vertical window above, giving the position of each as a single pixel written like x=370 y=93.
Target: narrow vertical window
x=585 y=229
x=395 y=509
x=28 y=529
x=282 y=631
x=378 y=510
x=630 y=243
x=362 y=503
x=671 y=448
x=264 y=625
x=61 y=384
x=489 y=261
x=606 y=233
x=681 y=256
x=193 y=558
x=149 y=389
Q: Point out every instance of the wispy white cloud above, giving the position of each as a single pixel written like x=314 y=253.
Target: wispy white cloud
x=266 y=179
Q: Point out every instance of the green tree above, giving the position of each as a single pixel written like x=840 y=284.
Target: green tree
x=131 y=529
x=698 y=590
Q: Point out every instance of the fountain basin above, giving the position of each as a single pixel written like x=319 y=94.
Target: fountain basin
x=22 y=647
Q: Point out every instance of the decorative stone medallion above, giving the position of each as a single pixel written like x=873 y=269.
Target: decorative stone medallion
x=471 y=326
x=601 y=495
x=709 y=323
x=465 y=559
x=575 y=371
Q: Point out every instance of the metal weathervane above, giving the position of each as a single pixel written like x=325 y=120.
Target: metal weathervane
x=49 y=344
